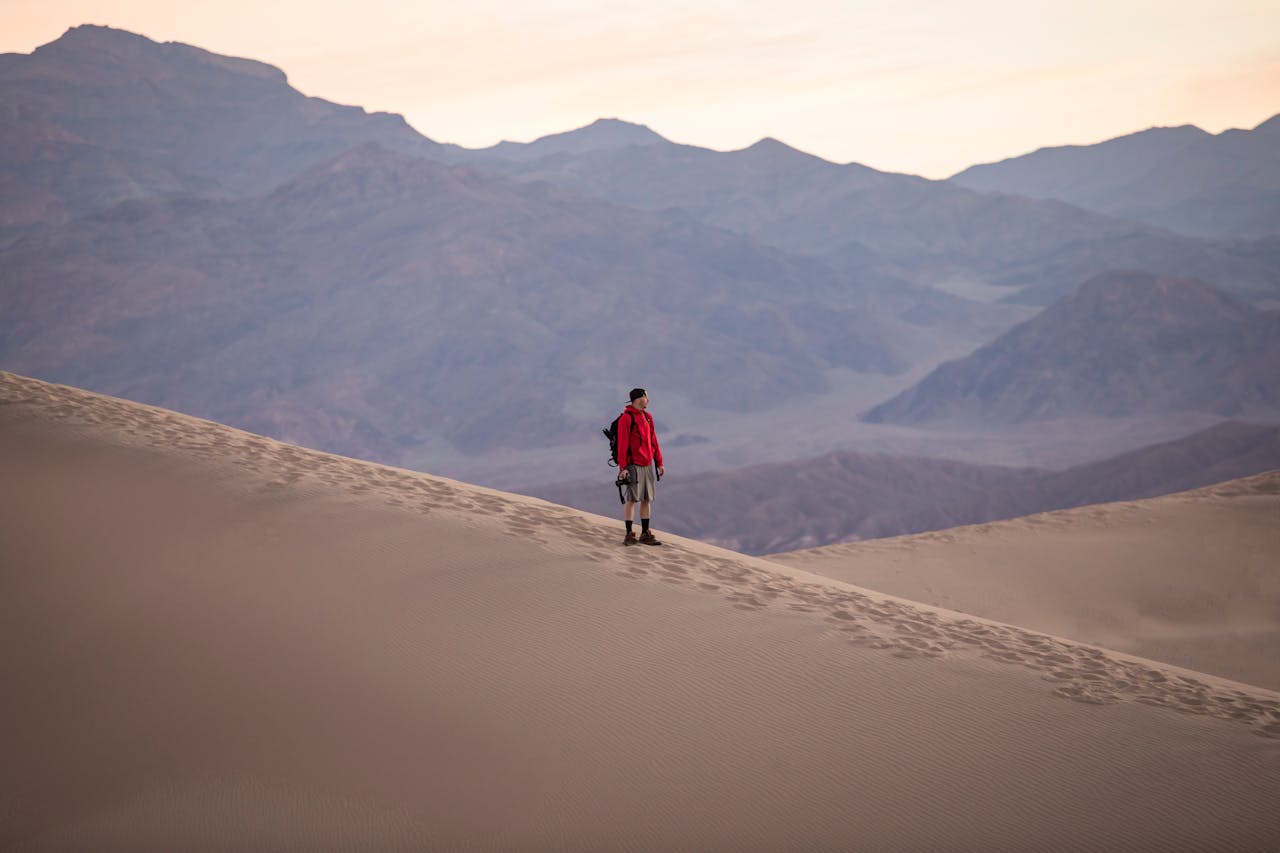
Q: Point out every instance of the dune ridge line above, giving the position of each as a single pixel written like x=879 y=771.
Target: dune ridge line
x=895 y=626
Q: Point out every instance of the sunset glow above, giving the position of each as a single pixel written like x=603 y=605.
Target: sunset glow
x=928 y=89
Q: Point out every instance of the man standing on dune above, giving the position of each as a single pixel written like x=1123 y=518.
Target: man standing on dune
x=641 y=458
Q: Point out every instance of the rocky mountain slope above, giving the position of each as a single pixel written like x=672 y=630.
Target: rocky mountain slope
x=101 y=116
x=1122 y=343
x=381 y=297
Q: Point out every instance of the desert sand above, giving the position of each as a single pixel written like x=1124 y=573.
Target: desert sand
x=214 y=641
x=1191 y=578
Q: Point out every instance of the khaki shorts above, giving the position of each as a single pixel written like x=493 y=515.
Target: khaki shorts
x=642 y=482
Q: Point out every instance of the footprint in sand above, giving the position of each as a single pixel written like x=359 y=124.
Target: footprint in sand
x=1090 y=694
x=745 y=601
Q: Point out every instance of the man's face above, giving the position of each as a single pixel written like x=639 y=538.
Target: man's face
x=641 y=403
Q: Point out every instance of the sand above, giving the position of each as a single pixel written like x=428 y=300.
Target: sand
x=1192 y=578
x=214 y=641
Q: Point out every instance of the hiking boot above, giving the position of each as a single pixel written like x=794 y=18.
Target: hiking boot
x=647 y=538
x=630 y=538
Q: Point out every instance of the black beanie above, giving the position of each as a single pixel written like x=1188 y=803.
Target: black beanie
x=637 y=392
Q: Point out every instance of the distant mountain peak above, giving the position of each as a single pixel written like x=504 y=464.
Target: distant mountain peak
x=601 y=134
x=1170 y=298
x=774 y=152
x=620 y=128
x=606 y=132
x=1138 y=140
x=770 y=143
x=94 y=37
x=1271 y=125
x=83 y=45
x=102 y=34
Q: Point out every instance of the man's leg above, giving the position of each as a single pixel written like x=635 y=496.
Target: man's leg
x=628 y=516
x=646 y=536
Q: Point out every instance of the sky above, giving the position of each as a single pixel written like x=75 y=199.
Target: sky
x=927 y=88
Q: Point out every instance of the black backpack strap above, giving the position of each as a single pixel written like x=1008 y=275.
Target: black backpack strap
x=621 y=481
x=631 y=421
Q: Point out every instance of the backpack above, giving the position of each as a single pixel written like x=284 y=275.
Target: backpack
x=611 y=433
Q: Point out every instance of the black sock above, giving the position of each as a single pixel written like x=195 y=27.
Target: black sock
x=628 y=523
x=644 y=525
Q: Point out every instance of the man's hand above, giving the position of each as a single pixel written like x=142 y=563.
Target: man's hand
x=662 y=472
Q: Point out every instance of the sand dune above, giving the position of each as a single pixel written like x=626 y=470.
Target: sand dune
x=214 y=641
x=1191 y=578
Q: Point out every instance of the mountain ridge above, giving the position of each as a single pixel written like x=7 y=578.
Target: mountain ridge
x=1182 y=178
x=140 y=195
x=1121 y=343
x=900 y=227
x=102 y=115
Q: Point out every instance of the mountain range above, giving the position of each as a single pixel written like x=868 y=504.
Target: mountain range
x=395 y=294
x=898 y=228
x=1180 y=178
x=186 y=229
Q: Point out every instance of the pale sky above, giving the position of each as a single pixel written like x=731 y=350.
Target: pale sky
x=928 y=87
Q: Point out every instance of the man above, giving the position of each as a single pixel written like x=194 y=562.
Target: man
x=638 y=453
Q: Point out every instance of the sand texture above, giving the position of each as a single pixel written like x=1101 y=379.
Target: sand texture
x=214 y=641
x=1191 y=578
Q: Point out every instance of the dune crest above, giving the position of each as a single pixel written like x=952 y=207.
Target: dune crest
x=1191 y=578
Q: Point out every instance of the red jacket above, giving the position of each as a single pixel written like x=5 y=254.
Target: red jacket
x=637 y=439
